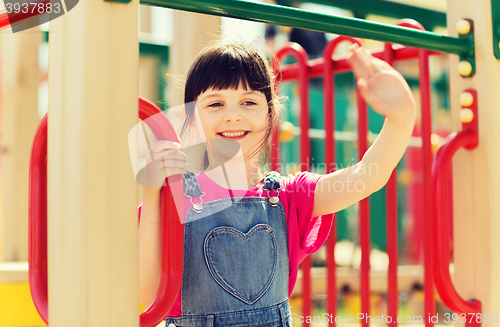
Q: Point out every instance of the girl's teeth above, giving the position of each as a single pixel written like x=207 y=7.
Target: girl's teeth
x=233 y=134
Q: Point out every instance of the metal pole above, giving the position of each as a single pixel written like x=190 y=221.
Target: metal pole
x=426 y=17
x=279 y=15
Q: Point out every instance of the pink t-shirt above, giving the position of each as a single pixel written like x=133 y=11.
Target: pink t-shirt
x=306 y=234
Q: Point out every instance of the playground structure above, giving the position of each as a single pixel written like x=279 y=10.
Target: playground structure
x=101 y=283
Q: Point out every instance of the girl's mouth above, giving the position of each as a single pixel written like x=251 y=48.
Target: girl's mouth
x=233 y=135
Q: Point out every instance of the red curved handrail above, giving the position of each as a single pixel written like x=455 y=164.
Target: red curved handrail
x=171 y=232
x=8 y=20
x=440 y=184
x=37 y=215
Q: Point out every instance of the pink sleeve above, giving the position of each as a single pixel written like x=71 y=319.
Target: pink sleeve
x=312 y=231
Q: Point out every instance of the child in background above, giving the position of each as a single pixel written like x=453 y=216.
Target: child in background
x=245 y=234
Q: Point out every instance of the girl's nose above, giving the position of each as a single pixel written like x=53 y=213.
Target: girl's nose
x=232 y=114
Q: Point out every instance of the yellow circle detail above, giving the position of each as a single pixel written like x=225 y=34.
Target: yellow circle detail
x=466 y=99
x=464 y=68
x=435 y=142
x=286 y=132
x=466 y=115
x=463 y=27
x=435 y=139
x=406 y=177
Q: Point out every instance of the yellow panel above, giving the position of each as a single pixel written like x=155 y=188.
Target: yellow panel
x=16 y=306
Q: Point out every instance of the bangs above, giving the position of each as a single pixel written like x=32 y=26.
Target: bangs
x=227 y=67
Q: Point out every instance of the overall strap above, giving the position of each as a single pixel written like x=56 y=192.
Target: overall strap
x=272 y=181
x=192 y=190
x=191 y=186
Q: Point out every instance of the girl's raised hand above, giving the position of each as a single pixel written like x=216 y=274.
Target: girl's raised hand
x=385 y=90
x=164 y=160
x=387 y=93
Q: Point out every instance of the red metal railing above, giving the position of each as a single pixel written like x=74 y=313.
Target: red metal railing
x=327 y=67
x=171 y=232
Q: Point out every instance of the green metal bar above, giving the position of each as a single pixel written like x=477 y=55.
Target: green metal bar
x=279 y=15
x=426 y=17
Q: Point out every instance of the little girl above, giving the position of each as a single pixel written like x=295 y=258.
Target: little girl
x=245 y=234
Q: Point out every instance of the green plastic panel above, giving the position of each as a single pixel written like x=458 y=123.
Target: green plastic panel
x=285 y=16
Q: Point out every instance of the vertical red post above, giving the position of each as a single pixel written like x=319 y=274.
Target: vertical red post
x=300 y=55
x=427 y=184
x=329 y=115
x=392 y=228
x=364 y=213
x=329 y=125
x=428 y=205
x=305 y=158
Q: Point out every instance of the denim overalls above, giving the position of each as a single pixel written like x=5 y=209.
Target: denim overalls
x=235 y=269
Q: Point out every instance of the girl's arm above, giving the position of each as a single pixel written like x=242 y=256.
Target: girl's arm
x=149 y=246
x=169 y=160
x=388 y=94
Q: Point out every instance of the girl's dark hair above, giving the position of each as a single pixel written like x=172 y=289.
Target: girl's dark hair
x=226 y=66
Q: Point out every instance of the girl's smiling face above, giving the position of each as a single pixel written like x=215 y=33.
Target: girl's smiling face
x=239 y=114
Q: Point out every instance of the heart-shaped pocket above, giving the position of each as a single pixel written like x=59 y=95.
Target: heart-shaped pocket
x=243 y=264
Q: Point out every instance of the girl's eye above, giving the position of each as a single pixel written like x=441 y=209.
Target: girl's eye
x=249 y=103
x=216 y=104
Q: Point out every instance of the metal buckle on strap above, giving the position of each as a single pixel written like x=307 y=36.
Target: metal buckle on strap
x=197 y=207
x=274 y=200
